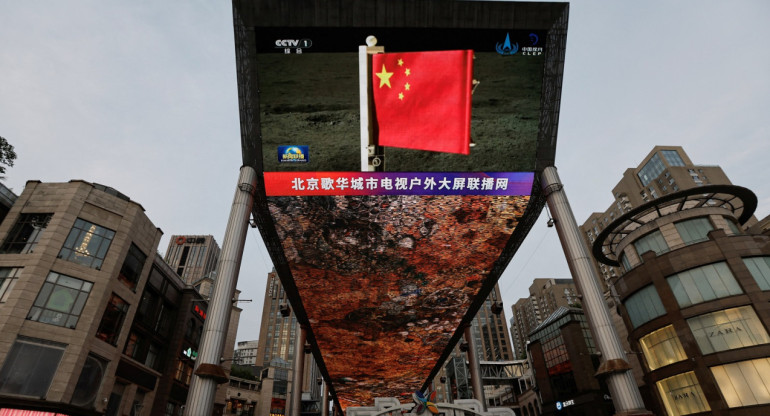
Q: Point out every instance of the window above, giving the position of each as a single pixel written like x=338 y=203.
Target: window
x=672 y=157
x=89 y=381
x=709 y=282
x=624 y=261
x=87 y=244
x=30 y=366
x=694 y=229
x=112 y=320
x=651 y=242
x=132 y=267
x=728 y=329
x=662 y=347
x=733 y=228
x=760 y=270
x=744 y=383
x=25 y=233
x=644 y=306
x=8 y=277
x=60 y=301
x=651 y=170
x=682 y=395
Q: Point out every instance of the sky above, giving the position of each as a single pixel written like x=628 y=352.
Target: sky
x=142 y=96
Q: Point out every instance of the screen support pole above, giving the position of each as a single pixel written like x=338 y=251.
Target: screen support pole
x=372 y=156
x=613 y=368
x=208 y=369
x=475 y=367
x=299 y=370
x=325 y=399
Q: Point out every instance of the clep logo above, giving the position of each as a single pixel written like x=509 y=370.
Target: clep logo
x=507 y=48
x=293 y=43
x=293 y=154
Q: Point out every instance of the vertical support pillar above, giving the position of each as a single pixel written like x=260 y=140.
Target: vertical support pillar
x=325 y=400
x=614 y=367
x=299 y=372
x=475 y=367
x=208 y=372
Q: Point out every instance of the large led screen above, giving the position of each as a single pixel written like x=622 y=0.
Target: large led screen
x=384 y=266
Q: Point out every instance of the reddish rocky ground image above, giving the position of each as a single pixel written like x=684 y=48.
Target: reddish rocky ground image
x=385 y=280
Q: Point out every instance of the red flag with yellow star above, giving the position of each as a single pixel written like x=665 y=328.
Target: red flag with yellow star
x=422 y=100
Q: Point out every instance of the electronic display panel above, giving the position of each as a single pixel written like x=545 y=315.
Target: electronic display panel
x=386 y=266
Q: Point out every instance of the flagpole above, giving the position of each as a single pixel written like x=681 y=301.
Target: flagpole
x=372 y=156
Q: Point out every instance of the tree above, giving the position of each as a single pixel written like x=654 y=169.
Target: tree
x=7 y=154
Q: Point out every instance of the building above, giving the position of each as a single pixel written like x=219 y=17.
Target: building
x=493 y=344
x=276 y=350
x=193 y=257
x=692 y=287
x=665 y=170
x=545 y=297
x=565 y=360
x=7 y=199
x=165 y=336
x=246 y=353
x=75 y=257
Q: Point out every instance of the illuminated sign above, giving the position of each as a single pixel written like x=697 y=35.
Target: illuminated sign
x=561 y=405
x=384 y=266
x=190 y=353
x=199 y=311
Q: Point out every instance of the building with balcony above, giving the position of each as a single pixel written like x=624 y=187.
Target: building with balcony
x=693 y=290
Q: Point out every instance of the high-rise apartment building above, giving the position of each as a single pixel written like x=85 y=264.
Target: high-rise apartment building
x=691 y=287
x=275 y=356
x=492 y=342
x=545 y=297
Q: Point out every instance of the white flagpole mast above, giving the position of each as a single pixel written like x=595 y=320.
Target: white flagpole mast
x=372 y=157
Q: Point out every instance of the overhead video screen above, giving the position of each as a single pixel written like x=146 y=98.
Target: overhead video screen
x=385 y=262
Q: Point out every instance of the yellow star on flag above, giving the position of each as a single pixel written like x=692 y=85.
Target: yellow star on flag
x=384 y=76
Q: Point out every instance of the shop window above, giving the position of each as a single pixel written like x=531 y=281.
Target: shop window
x=87 y=244
x=662 y=347
x=8 y=277
x=60 y=301
x=25 y=233
x=131 y=270
x=30 y=366
x=112 y=320
x=682 y=395
x=728 y=329
x=644 y=306
x=744 y=383
x=87 y=387
x=651 y=242
x=709 y=282
x=760 y=270
x=694 y=230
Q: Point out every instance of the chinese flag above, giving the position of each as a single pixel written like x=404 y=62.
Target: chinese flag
x=422 y=100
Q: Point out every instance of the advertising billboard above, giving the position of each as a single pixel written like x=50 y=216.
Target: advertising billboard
x=385 y=267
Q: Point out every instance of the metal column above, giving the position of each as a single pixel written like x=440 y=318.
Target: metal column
x=475 y=367
x=299 y=371
x=325 y=400
x=208 y=371
x=620 y=380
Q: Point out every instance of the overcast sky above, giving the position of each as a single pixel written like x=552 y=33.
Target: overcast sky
x=141 y=96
